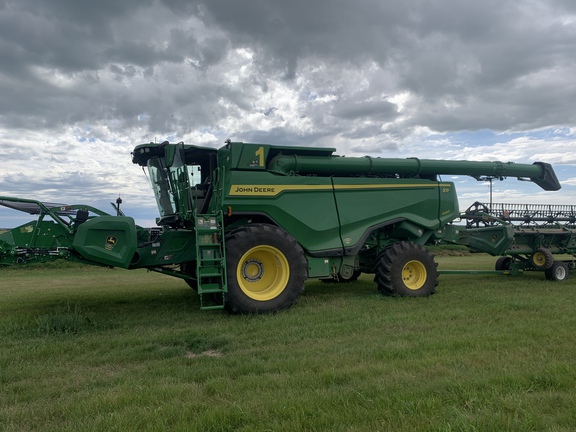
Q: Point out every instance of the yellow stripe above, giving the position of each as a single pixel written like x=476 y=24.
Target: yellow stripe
x=273 y=190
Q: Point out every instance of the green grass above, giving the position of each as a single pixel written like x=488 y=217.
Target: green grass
x=89 y=349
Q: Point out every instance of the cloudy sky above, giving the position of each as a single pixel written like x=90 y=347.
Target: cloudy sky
x=83 y=82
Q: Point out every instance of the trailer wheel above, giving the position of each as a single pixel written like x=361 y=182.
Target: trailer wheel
x=406 y=269
x=558 y=272
x=266 y=269
x=503 y=263
x=542 y=259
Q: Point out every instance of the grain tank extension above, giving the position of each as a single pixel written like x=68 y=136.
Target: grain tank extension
x=247 y=224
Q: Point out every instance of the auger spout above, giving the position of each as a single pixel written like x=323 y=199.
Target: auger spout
x=539 y=172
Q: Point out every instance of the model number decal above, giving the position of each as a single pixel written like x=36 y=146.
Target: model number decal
x=260 y=155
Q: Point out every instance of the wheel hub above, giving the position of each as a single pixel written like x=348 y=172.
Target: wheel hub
x=414 y=275
x=253 y=270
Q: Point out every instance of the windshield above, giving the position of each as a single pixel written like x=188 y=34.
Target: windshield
x=182 y=187
x=161 y=187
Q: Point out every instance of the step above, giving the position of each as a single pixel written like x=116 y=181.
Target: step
x=210 y=272
x=210 y=288
x=209 y=255
x=212 y=307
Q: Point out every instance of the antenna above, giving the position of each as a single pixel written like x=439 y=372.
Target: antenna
x=117 y=206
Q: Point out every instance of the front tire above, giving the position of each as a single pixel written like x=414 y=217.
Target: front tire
x=406 y=269
x=266 y=269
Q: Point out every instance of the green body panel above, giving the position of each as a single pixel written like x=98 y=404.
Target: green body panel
x=304 y=207
x=110 y=240
x=368 y=204
x=255 y=157
x=494 y=240
x=173 y=247
x=334 y=213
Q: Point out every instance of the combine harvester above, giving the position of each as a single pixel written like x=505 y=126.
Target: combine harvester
x=247 y=224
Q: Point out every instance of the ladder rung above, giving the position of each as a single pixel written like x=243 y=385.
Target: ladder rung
x=210 y=289
x=209 y=257
x=208 y=273
x=212 y=307
x=214 y=261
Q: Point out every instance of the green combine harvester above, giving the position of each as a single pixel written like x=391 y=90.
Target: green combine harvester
x=245 y=225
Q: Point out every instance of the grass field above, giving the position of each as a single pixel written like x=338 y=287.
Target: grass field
x=89 y=349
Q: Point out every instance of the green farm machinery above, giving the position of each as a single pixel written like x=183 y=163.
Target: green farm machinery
x=245 y=225
x=540 y=233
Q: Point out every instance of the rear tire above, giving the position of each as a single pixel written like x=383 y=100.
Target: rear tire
x=266 y=269
x=558 y=272
x=406 y=269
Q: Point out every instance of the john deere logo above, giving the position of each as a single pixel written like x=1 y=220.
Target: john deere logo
x=111 y=242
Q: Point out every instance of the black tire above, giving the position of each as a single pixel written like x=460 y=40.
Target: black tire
x=266 y=269
x=406 y=269
x=558 y=272
x=503 y=263
x=189 y=268
x=542 y=259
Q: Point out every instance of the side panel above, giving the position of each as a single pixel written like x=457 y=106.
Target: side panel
x=173 y=247
x=449 y=209
x=494 y=240
x=109 y=240
x=303 y=206
x=366 y=202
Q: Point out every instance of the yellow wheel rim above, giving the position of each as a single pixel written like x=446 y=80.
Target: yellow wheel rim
x=414 y=275
x=539 y=259
x=263 y=273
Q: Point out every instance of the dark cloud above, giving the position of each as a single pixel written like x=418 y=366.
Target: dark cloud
x=136 y=50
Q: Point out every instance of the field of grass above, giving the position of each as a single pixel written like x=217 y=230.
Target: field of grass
x=90 y=349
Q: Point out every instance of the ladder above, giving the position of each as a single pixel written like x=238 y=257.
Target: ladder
x=210 y=260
